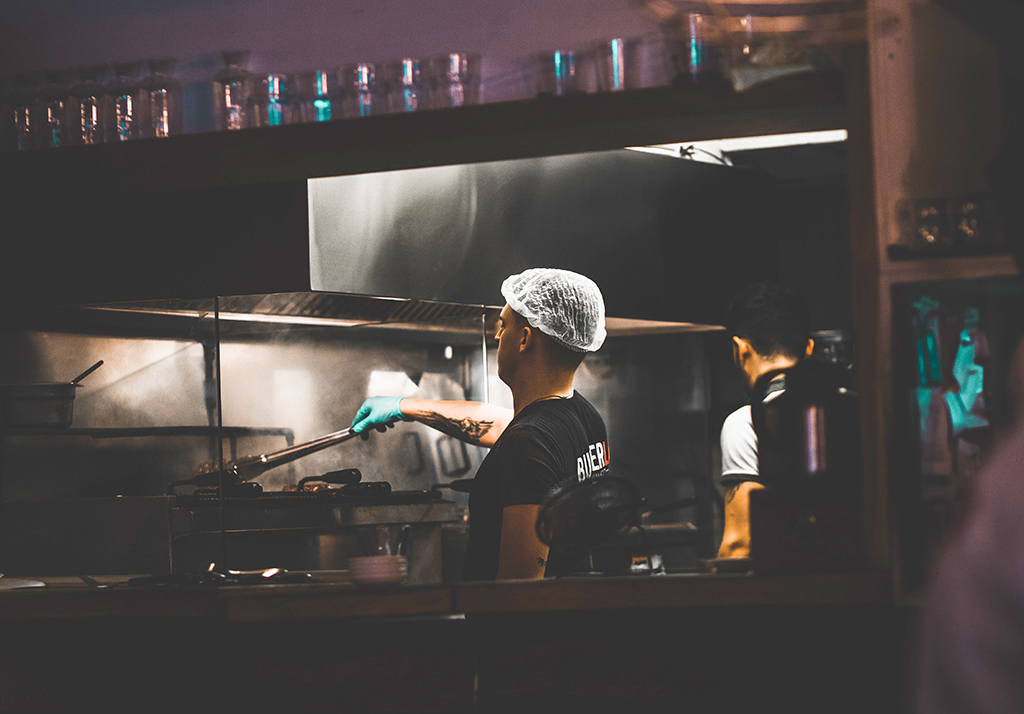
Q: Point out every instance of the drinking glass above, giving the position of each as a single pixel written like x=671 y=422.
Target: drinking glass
x=403 y=82
x=232 y=92
x=273 y=101
x=91 y=106
x=161 y=95
x=611 y=65
x=556 y=73
x=453 y=79
x=23 y=113
x=316 y=96
x=55 y=96
x=359 y=90
x=126 y=95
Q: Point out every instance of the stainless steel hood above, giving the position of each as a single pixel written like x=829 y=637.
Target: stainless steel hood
x=253 y=314
x=665 y=238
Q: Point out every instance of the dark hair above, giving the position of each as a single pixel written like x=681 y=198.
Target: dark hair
x=772 y=318
x=561 y=355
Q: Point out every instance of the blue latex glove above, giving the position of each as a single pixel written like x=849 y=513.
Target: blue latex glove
x=380 y=412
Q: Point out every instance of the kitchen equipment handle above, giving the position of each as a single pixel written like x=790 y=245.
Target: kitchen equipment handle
x=86 y=373
x=371 y=489
x=250 y=468
x=345 y=477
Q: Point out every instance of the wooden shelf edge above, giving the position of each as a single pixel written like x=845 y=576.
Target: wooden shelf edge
x=961 y=268
x=484 y=132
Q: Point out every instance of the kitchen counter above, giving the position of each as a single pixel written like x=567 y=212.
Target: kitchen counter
x=335 y=597
x=653 y=642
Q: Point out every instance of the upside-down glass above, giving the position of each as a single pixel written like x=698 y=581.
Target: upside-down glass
x=556 y=73
x=161 y=93
x=611 y=64
x=359 y=89
x=91 y=106
x=55 y=98
x=273 y=101
x=453 y=79
x=404 y=85
x=24 y=113
x=126 y=94
x=316 y=92
x=232 y=92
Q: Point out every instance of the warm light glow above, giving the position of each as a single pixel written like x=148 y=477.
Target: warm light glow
x=706 y=150
x=244 y=317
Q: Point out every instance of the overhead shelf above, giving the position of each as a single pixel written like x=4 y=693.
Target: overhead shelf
x=812 y=101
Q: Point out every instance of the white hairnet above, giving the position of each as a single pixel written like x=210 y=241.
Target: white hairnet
x=564 y=305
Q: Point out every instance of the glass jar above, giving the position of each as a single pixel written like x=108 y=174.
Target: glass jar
x=54 y=98
x=359 y=90
x=556 y=73
x=21 y=113
x=404 y=85
x=454 y=79
x=126 y=97
x=161 y=95
x=316 y=90
x=232 y=92
x=92 y=106
x=273 y=100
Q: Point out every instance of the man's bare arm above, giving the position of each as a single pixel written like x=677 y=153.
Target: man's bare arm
x=522 y=556
x=477 y=423
x=736 y=533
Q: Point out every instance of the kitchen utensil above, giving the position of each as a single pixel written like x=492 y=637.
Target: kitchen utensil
x=48 y=405
x=343 y=477
x=249 y=467
x=86 y=373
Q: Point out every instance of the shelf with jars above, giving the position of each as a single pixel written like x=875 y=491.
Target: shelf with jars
x=546 y=125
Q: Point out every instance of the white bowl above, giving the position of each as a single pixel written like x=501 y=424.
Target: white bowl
x=378 y=569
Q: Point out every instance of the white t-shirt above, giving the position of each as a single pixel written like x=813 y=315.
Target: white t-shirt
x=739 y=446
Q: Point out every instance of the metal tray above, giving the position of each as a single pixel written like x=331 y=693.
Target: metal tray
x=37 y=405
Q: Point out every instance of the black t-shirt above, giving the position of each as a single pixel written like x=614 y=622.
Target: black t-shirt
x=548 y=444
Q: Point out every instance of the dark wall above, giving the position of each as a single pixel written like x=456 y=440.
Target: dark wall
x=810 y=213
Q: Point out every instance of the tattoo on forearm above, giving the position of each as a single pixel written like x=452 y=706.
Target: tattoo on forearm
x=466 y=429
x=541 y=562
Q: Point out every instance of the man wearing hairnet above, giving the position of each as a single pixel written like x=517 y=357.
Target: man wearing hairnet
x=551 y=437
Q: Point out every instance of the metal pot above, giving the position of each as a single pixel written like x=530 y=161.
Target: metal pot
x=48 y=405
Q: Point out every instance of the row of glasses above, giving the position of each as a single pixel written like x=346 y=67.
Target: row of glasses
x=616 y=64
x=245 y=99
x=80 y=105
x=91 y=105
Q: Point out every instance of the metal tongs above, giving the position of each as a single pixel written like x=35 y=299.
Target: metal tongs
x=249 y=467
